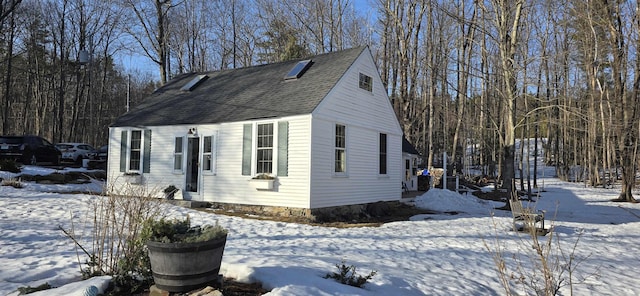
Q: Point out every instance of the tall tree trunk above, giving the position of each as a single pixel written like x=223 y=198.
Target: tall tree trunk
x=467 y=34
x=630 y=134
x=6 y=122
x=507 y=22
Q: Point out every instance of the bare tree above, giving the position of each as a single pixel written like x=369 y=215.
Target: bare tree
x=7 y=10
x=627 y=109
x=505 y=16
x=152 y=31
x=463 y=64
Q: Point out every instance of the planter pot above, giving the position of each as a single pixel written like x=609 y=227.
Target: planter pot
x=262 y=184
x=133 y=179
x=180 y=267
x=171 y=194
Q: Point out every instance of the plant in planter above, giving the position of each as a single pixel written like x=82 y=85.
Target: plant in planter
x=182 y=257
x=170 y=191
x=263 y=177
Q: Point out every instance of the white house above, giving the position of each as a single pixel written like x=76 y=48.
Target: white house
x=410 y=161
x=321 y=129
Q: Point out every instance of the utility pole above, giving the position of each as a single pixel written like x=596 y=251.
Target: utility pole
x=86 y=59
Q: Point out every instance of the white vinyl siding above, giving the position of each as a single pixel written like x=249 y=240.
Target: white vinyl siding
x=226 y=184
x=366 y=116
x=229 y=185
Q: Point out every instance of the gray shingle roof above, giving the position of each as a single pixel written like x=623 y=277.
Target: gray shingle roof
x=242 y=94
x=408 y=147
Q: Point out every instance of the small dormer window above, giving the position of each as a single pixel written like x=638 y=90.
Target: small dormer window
x=365 y=82
x=298 y=70
x=191 y=85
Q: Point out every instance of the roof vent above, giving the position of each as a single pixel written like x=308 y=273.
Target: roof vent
x=191 y=85
x=298 y=70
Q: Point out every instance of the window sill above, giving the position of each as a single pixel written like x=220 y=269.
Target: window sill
x=364 y=91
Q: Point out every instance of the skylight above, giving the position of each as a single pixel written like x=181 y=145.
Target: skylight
x=299 y=69
x=191 y=85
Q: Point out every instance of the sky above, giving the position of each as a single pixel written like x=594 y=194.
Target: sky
x=436 y=254
x=135 y=61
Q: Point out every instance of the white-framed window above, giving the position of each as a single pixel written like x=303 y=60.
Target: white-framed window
x=264 y=148
x=208 y=158
x=135 y=151
x=178 y=153
x=365 y=82
x=340 y=160
x=382 y=168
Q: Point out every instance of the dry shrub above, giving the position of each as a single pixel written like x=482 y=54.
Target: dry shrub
x=115 y=246
x=540 y=265
x=13 y=182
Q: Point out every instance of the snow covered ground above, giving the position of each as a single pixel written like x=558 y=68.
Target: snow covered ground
x=440 y=254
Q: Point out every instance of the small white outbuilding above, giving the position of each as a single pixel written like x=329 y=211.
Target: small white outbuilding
x=305 y=134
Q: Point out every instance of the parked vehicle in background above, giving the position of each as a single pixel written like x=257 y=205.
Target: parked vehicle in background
x=98 y=159
x=100 y=154
x=75 y=152
x=29 y=149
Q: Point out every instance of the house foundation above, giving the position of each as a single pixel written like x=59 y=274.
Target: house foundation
x=346 y=213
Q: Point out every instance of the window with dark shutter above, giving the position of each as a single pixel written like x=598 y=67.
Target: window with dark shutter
x=340 y=149
x=383 y=154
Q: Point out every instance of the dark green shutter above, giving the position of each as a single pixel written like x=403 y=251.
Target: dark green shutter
x=146 y=163
x=283 y=148
x=246 y=149
x=123 y=151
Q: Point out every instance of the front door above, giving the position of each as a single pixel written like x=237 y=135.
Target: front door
x=193 y=168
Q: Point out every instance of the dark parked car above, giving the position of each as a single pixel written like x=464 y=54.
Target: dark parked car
x=101 y=154
x=29 y=150
x=98 y=159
